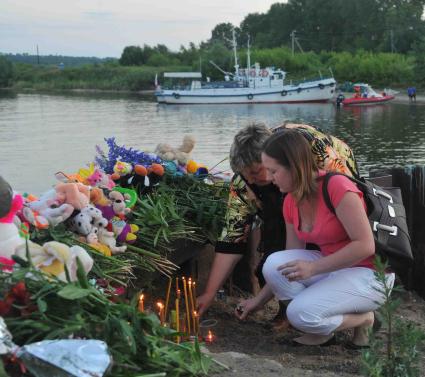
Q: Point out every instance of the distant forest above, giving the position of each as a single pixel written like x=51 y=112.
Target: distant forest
x=68 y=61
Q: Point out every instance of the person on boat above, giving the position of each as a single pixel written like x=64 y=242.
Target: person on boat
x=357 y=92
x=411 y=92
x=255 y=200
x=334 y=287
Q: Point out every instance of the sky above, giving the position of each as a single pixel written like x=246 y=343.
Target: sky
x=103 y=28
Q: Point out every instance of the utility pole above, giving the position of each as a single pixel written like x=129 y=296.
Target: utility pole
x=292 y=35
x=294 y=40
x=38 y=57
x=392 y=41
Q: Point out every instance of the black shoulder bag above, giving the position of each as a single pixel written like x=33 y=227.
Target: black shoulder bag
x=387 y=218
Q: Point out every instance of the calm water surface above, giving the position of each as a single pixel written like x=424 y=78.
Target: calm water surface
x=41 y=134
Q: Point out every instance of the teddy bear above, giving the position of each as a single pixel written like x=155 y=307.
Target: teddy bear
x=180 y=154
x=52 y=257
x=9 y=233
x=115 y=214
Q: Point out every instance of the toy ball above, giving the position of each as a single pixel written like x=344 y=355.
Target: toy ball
x=191 y=167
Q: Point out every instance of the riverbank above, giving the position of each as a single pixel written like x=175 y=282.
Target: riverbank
x=253 y=347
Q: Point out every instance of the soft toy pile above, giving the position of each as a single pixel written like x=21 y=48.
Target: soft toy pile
x=94 y=203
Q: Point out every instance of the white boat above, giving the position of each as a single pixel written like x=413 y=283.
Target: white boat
x=246 y=85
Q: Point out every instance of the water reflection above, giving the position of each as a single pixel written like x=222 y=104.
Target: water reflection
x=41 y=133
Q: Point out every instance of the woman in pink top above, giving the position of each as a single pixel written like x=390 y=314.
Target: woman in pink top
x=331 y=289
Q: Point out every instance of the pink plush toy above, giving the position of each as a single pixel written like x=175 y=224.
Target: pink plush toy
x=100 y=179
x=76 y=194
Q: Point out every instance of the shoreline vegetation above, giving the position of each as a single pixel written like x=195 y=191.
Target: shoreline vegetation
x=378 y=69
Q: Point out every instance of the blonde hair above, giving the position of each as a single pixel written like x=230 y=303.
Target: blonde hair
x=291 y=150
x=247 y=146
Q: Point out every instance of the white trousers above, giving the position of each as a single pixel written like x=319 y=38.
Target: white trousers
x=319 y=303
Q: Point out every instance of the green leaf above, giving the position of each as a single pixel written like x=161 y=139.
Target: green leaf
x=42 y=305
x=72 y=292
x=81 y=274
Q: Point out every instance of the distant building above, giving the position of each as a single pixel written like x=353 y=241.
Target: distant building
x=61 y=66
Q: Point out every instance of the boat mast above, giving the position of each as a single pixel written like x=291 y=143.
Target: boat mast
x=248 y=56
x=235 y=52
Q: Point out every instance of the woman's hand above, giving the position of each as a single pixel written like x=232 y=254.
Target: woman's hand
x=297 y=270
x=245 y=307
x=204 y=302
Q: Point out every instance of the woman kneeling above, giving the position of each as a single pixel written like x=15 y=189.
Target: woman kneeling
x=334 y=288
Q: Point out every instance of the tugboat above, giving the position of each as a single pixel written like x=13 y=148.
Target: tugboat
x=246 y=85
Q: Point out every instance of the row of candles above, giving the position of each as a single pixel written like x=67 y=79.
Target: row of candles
x=186 y=321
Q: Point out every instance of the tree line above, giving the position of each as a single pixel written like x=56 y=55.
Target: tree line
x=301 y=33
x=380 y=41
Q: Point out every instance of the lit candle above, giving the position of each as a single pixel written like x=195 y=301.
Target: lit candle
x=194 y=295
x=160 y=312
x=195 y=322
x=141 y=305
x=187 y=305
x=167 y=298
x=192 y=307
x=210 y=337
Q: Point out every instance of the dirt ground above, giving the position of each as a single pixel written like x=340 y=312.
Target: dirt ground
x=255 y=348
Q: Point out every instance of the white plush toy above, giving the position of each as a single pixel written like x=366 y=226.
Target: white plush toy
x=52 y=257
x=180 y=154
x=89 y=217
x=108 y=239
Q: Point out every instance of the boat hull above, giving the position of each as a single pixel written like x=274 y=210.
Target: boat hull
x=366 y=101
x=317 y=91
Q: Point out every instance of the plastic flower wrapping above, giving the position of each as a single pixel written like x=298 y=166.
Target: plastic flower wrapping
x=59 y=358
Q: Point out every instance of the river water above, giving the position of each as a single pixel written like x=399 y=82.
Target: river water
x=41 y=134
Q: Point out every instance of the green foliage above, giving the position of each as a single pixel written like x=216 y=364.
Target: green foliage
x=137 y=341
x=397 y=354
x=6 y=72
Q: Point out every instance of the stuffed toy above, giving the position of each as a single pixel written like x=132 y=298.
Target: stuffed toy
x=180 y=154
x=97 y=197
x=93 y=240
x=44 y=212
x=115 y=214
x=52 y=257
x=76 y=194
x=108 y=238
x=9 y=233
x=123 y=173
x=89 y=218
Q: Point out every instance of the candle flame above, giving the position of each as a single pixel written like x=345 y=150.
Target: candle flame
x=210 y=336
x=142 y=296
x=160 y=305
